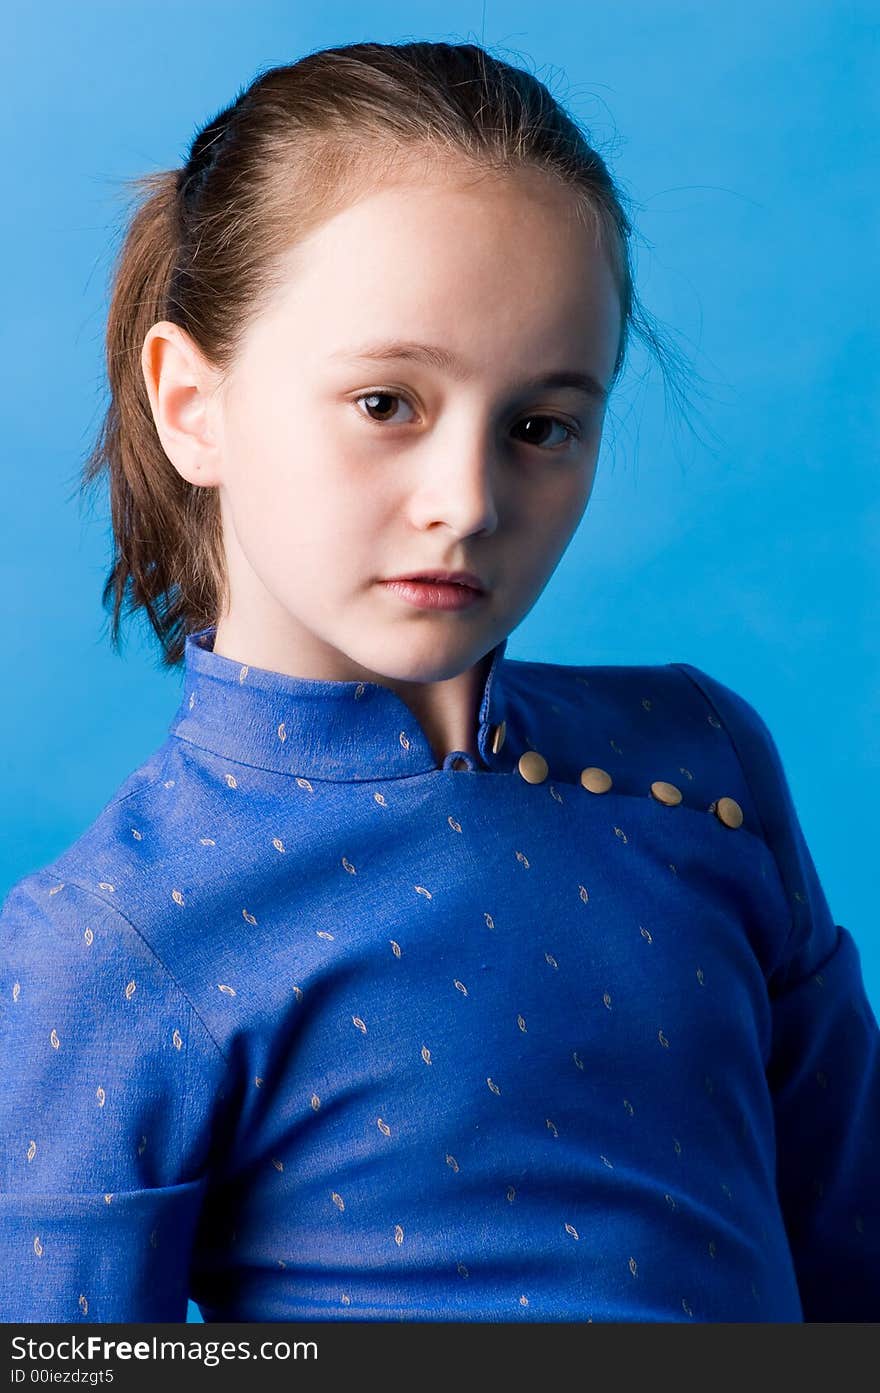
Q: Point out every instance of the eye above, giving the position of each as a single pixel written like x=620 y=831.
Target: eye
x=379 y=400
x=571 y=433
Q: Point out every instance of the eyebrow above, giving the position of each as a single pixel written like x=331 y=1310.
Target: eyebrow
x=433 y=356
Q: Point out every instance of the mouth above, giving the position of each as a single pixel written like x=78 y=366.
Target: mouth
x=436 y=591
x=465 y=580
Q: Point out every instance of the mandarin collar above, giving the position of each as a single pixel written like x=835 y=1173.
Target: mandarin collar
x=315 y=728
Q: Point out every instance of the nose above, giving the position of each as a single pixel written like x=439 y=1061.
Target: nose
x=457 y=483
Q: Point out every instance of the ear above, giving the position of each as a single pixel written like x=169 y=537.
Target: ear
x=181 y=386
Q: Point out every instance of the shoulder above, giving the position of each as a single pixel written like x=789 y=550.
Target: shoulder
x=678 y=723
x=641 y=723
x=75 y=970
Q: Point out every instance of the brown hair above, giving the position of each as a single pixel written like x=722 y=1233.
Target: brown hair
x=203 y=244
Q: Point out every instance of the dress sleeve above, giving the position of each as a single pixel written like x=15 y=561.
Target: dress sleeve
x=824 y=1066
x=105 y=1114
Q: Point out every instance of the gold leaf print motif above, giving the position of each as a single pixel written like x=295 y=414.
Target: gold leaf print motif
x=231 y=780
x=456 y=826
x=524 y=1301
x=582 y=891
x=490 y=922
x=279 y=1165
x=523 y=860
x=555 y=794
x=16 y=990
x=619 y=832
x=685 y=1307
x=316 y=1102
x=207 y=841
x=629 y=1107
x=521 y=1023
x=32 y=1151
x=493 y=1085
x=298 y=992
x=460 y=986
x=403 y=740
x=511 y=1194
x=451 y=1162
x=426 y=1054
x=230 y=991
x=348 y=866
x=101 y=1096
x=278 y=843
x=177 y=897
x=398 y=1234
x=177 y=1039
x=105 y=885
x=663 y=1040
x=700 y=977
x=570 y=1228
x=361 y=1025
x=249 y=918
x=549 y=958
x=243 y=672
x=304 y=783
x=633 y=1267
x=38 y=1247
x=282 y=731
x=258 y=1082
x=383 y=1127
x=324 y=933
x=395 y=948
x=577 y=1059
x=646 y=934
x=54 y=1039
x=130 y=990
x=88 y=936
x=337 y=1200
x=84 y=1305
x=138 y=836
x=461 y=1269
x=142 y=1146
x=551 y=1127
x=606 y=997
x=420 y=890
x=108 y=1198
x=380 y=799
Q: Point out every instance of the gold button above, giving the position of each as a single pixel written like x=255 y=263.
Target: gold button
x=498 y=735
x=596 y=780
x=729 y=812
x=533 y=767
x=666 y=793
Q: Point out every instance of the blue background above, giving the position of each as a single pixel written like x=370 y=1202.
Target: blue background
x=749 y=549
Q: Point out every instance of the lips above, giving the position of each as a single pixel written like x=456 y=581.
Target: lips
x=463 y=578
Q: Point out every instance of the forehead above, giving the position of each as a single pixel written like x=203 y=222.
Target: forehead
x=483 y=263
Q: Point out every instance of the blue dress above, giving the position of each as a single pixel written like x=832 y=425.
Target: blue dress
x=307 y=1026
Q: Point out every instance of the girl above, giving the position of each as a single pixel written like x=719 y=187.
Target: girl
x=405 y=980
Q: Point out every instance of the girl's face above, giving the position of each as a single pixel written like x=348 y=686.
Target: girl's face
x=342 y=460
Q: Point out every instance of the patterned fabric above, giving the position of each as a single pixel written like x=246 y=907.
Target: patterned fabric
x=307 y=1026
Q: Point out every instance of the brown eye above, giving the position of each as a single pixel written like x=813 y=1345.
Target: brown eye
x=537 y=426
x=381 y=403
